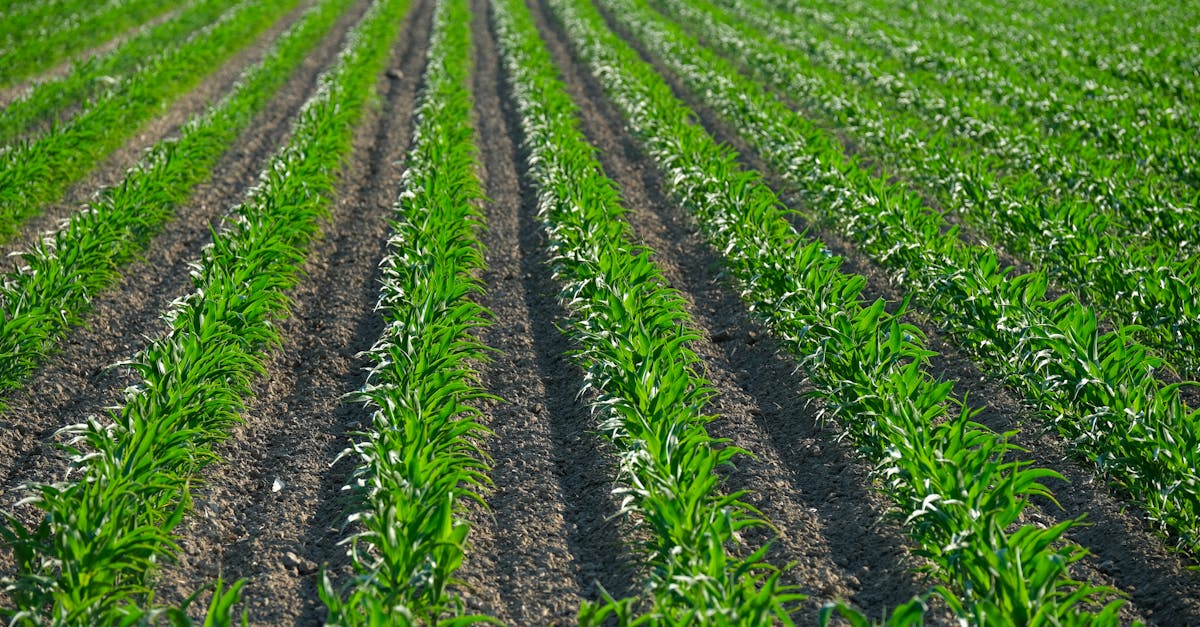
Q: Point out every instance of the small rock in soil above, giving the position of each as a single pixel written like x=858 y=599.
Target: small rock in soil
x=302 y=566
x=721 y=336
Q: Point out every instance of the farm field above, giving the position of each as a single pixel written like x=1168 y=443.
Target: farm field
x=550 y=312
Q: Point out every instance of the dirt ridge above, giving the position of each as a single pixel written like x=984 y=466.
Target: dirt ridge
x=548 y=541
x=77 y=381
x=297 y=423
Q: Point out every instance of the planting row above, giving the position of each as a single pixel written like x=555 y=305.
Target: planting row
x=105 y=531
x=1099 y=389
x=421 y=462
x=90 y=558
x=643 y=378
x=36 y=39
x=1007 y=80
x=947 y=475
x=1126 y=277
x=50 y=290
x=1084 y=119
x=38 y=172
x=52 y=99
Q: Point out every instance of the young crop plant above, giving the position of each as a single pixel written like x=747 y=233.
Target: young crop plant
x=1099 y=389
x=1109 y=263
x=634 y=336
x=421 y=461
x=48 y=100
x=22 y=20
x=1091 y=142
x=950 y=478
x=1003 y=79
x=39 y=171
x=91 y=558
x=47 y=41
x=51 y=289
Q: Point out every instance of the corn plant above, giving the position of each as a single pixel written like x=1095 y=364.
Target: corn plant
x=948 y=475
x=39 y=171
x=46 y=37
x=649 y=395
x=1099 y=389
x=49 y=292
x=421 y=459
x=1127 y=269
x=91 y=558
x=1003 y=75
x=1073 y=135
x=50 y=99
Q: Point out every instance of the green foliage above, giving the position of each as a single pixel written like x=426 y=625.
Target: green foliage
x=421 y=459
x=1006 y=84
x=634 y=335
x=37 y=39
x=1126 y=247
x=49 y=99
x=947 y=475
x=38 y=171
x=1099 y=388
x=50 y=291
x=91 y=558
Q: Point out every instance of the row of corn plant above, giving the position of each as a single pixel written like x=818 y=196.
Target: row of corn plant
x=49 y=100
x=47 y=43
x=1003 y=63
x=649 y=394
x=1063 y=165
x=1158 y=58
x=50 y=290
x=1090 y=128
x=27 y=21
x=1081 y=215
x=1099 y=389
x=949 y=477
x=92 y=556
x=421 y=461
x=1126 y=277
x=36 y=172
x=1149 y=46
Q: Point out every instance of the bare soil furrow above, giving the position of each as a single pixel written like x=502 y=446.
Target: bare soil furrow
x=273 y=511
x=549 y=535
x=78 y=381
x=808 y=484
x=549 y=538
x=1126 y=553
x=1162 y=585
x=111 y=170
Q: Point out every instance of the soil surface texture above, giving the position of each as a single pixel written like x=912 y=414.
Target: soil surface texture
x=550 y=534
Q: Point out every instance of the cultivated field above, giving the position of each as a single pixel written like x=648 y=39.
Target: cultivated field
x=546 y=312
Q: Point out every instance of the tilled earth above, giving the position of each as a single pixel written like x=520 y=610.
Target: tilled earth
x=551 y=536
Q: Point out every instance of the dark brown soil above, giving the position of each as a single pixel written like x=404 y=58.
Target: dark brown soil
x=111 y=170
x=806 y=483
x=297 y=424
x=549 y=537
x=1126 y=553
x=78 y=381
x=547 y=540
